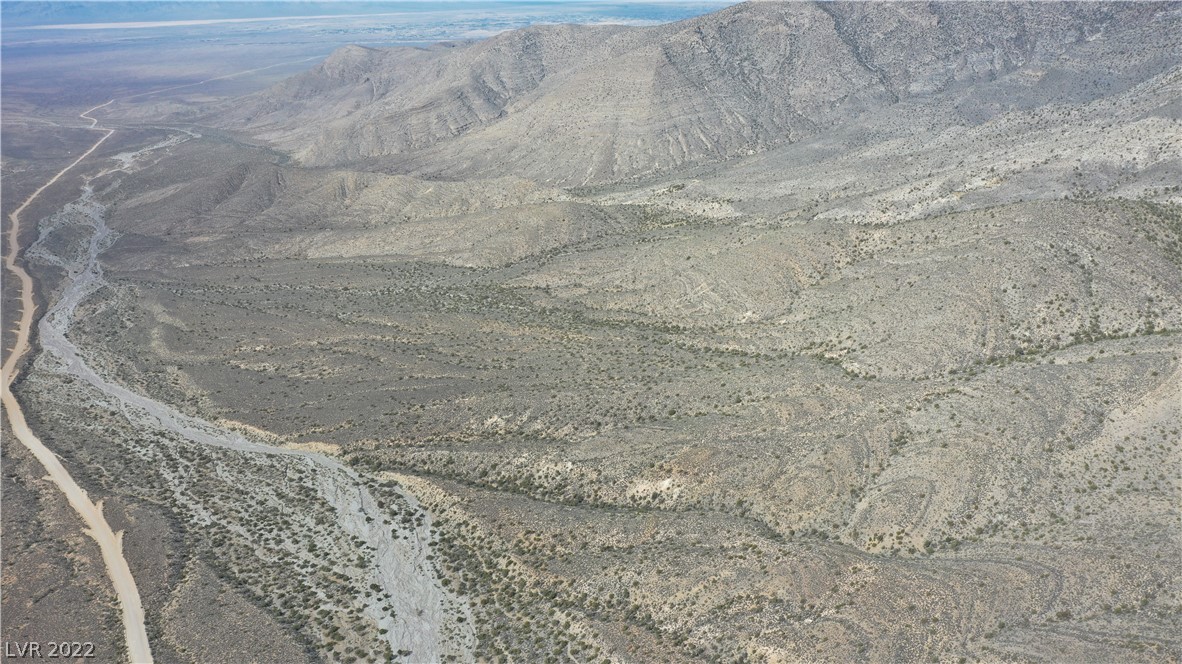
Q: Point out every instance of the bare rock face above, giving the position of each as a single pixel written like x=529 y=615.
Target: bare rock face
x=582 y=105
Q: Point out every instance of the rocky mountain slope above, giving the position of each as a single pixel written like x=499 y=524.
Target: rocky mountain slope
x=578 y=105
x=795 y=332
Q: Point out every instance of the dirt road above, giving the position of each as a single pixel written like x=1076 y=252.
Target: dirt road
x=110 y=543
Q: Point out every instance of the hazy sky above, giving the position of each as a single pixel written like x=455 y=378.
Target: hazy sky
x=61 y=50
x=420 y=16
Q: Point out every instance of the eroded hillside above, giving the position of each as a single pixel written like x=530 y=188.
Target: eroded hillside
x=792 y=332
x=578 y=105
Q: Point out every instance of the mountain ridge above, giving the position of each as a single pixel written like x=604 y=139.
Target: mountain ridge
x=575 y=105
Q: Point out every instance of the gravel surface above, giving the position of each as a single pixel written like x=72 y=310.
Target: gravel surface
x=400 y=566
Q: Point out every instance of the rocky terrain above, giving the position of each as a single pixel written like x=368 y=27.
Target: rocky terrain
x=793 y=332
x=586 y=105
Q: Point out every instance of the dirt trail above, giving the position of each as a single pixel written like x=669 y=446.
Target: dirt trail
x=28 y=307
x=110 y=543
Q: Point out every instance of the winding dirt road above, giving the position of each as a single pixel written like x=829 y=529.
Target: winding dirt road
x=110 y=543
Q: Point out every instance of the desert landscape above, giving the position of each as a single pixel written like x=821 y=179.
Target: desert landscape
x=782 y=332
